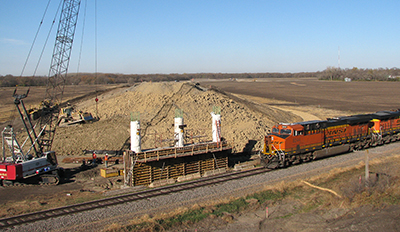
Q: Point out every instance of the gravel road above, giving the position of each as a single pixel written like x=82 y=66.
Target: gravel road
x=99 y=219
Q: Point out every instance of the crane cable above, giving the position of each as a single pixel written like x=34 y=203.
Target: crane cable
x=33 y=44
x=47 y=39
x=83 y=32
x=34 y=40
x=81 y=47
x=95 y=54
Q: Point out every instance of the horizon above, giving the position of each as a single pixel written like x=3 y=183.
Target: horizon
x=92 y=73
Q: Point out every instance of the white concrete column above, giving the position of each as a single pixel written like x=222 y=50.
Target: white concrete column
x=216 y=127
x=135 y=137
x=178 y=131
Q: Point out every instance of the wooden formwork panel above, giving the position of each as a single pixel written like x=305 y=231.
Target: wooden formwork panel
x=206 y=165
x=142 y=174
x=222 y=162
x=176 y=170
x=146 y=173
x=192 y=166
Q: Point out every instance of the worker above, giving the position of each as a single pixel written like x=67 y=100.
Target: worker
x=106 y=159
x=94 y=156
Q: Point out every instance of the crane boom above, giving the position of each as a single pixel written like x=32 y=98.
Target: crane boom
x=62 y=50
x=58 y=71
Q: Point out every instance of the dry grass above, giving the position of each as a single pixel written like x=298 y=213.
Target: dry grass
x=38 y=203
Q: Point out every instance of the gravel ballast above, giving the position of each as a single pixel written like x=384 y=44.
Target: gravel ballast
x=99 y=219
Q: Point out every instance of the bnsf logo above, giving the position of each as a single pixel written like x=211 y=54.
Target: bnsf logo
x=336 y=131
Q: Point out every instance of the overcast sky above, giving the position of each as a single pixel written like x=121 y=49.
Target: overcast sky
x=220 y=36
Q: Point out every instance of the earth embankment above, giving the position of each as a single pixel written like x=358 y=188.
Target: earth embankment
x=242 y=120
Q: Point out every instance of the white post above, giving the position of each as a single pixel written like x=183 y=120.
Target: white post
x=135 y=137
x=216 y=127
x=178 y=129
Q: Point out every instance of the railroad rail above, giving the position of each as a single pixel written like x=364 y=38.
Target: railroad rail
x=131 y=197
x=145 y=194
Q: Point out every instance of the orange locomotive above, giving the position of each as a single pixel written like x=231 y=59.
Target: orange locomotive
x=292 y=143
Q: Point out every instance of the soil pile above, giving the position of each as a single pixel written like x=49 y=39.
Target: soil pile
x=244 y=123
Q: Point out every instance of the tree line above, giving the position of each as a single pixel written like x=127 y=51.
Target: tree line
x=359 y=74
x=110 y=78
x=330 y=73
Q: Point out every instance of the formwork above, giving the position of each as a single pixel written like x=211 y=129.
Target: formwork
x=170 y=163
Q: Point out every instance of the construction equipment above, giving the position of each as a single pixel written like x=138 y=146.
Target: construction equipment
x=40 y=125
x=70 y=116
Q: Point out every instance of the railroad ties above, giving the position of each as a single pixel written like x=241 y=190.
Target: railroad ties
x=131 y=197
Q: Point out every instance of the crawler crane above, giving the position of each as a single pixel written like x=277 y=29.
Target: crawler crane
x=38 y=162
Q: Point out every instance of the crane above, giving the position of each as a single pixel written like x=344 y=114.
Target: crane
x=22 y=164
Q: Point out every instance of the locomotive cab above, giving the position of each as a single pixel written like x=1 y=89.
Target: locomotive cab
x=275 y=142
x=288 y=141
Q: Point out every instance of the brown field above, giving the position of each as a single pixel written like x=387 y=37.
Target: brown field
x=366 y=96
x=355 y=97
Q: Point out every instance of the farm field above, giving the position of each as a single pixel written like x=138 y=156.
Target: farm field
x=361 y=96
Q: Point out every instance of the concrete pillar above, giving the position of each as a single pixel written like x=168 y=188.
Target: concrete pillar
x=135 y=137
x=178 y=131
x=216 y=127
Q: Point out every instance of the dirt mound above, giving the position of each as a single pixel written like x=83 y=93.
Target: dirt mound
x=242 y=121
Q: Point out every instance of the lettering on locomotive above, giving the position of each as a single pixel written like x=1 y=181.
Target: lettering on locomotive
x=336 y=131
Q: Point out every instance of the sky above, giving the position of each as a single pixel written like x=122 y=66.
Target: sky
x=205 y=36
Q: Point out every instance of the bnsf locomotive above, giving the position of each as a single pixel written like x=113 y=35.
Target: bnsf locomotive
x=292 y=143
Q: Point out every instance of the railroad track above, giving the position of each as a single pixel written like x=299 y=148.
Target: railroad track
x=131 y=197
x=145 y=194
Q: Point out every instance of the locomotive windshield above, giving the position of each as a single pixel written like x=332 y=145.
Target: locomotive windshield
x=275 y=130
x=286 y=132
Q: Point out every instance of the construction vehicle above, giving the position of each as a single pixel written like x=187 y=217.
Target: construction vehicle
x=33 y=159
x=70 y=116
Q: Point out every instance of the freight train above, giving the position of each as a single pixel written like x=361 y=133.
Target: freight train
x=292 y=143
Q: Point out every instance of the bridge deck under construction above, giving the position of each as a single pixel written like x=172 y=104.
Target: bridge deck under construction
x=175 y=152
x=171 y=163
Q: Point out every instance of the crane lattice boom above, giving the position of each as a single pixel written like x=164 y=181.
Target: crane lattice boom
x=58 y=71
